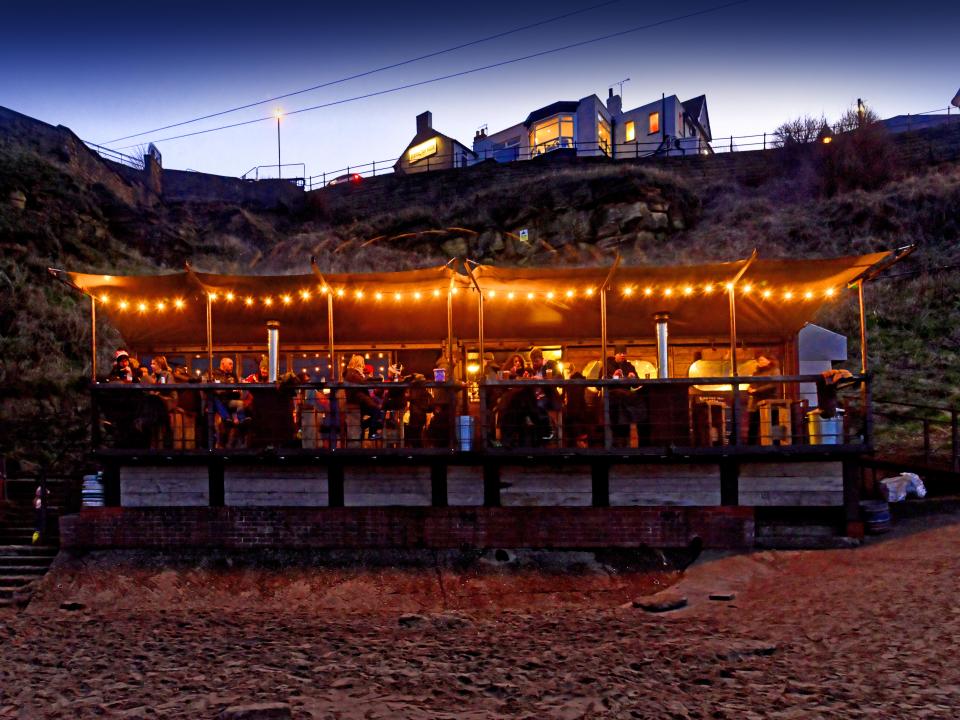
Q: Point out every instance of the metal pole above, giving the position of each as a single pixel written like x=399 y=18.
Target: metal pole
x=733 y=330
x=480 y=333
x=93 y=338
x=603 y=334
x=450 y=326
x=334 y=365
x=863 y=329
x=209 y=338
x=279 y=171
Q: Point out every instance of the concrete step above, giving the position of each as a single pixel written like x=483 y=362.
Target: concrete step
x=779 y=530
x=16 y=549
x=8 y=570
x=15 y=581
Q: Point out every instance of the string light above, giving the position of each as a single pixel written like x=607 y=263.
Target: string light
x=453 y=291
x=492 y=294
x=588 y=292
x=212 y=296
x=416 y=295
x=340 y=292
x=729 y=286
x=688 y=290
x=509 y=296
x=378 y=295
x=628 y=291
x=668 y=292
x=808 y=295
x=788 y=295
x=305 y=294
x=550 y=295
x=359 y=294
x=569 y=293
x=708 y=288
x=178 y=304
x=248 y=301
x=104 y=298
x=766 y=294
x=529 y=296
x=268 y=301
x=229 y=297
x=436 y=293
x=397 y=296
x=124 y=304
x=142 y=306
x=161 y=306
x=285 y=299
x=648 y=291
x=830 y=292
x=747 y=288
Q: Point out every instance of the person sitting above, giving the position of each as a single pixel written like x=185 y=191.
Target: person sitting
x=765 y=366
x=515 y=368
x=547 y=398
x=227 y=404
x=369 y=406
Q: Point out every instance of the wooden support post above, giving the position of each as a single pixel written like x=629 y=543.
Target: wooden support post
x=438 y=485
x=600 y=483
x=851 y=499
x=607 y=430
x=93 y=339
x=335 y=485
x=217 y=491
x=334 y=365
x=209 y=338
x=491 y=485
x=729 y=482
x=484 y=420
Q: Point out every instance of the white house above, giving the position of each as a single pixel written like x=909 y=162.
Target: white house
x=587 y=127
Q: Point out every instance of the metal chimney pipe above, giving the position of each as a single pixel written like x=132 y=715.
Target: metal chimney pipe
x=273 y=349
x=663 y=366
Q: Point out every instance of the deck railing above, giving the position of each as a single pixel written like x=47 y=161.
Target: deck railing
x=695 y=416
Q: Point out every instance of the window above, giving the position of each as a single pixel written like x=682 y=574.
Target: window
x=631 y=128
x=603 y=134
x=552 y=133
x=654 y=123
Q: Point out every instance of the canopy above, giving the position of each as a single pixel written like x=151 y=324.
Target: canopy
x=774 y=299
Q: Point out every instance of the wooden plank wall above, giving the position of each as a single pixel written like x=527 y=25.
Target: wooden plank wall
x=387 y=485
x=552 y=485
x=187 y=486
x=252 y=486
x=649 y=484
x=801 y=484
x=464 y=486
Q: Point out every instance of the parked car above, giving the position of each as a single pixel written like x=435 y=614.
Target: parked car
x=348 y=178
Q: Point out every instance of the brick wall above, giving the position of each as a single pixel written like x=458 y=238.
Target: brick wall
x=406 y=528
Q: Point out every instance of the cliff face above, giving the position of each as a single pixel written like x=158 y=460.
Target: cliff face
x=61 y=205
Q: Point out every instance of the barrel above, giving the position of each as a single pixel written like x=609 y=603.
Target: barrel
x=92 y=491
x=876 y=516
x=465 y=432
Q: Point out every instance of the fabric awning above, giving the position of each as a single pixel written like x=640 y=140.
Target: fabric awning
x=774 y=298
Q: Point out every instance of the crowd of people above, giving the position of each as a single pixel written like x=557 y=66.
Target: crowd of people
x=515 y=415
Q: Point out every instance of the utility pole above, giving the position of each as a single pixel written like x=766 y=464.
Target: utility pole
x=278 y=113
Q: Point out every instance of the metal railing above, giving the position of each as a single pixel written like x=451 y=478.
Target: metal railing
x=117 y=157
x=705 y=416
x=938 y=428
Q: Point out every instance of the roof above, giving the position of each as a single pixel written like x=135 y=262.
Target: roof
x=696 y=107
x=561 y=106
x=548 y=304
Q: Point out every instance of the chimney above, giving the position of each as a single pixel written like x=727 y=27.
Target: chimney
x=424 y=122
x=663 y=358
x=614 y=104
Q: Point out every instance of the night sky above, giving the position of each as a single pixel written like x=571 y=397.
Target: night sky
x=112 y=69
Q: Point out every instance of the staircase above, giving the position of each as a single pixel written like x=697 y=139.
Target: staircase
x=21 y=562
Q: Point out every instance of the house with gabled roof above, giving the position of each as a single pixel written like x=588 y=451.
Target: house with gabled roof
x=432 y=150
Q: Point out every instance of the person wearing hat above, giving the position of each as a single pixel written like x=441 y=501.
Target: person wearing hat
x=618 y=367
x=121 y=371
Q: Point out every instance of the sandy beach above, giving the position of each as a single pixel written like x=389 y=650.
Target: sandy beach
x=868 y=632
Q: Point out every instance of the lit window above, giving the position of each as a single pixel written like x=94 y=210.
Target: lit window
x=631 y=129
x=654 y=123
x=603 y=134
x=552 y=133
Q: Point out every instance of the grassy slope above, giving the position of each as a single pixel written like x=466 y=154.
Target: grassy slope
x=85 y=222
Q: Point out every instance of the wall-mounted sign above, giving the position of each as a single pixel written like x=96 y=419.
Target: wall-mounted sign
x=423 y=150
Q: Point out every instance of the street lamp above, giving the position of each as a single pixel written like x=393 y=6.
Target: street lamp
x=278 y=112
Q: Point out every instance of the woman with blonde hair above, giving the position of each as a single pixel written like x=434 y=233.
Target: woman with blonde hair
x=369 y=405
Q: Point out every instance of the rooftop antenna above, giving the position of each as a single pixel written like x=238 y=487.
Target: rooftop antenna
x=619 y=85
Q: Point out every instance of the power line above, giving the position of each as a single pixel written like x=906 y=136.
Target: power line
x=570 y=46
x=366 y=73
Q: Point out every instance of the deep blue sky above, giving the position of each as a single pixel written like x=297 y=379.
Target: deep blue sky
x=111 y=69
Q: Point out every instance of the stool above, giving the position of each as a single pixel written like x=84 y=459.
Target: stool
x=709 y=422
x=183 y=427
x=775 y=423
x=393 y=428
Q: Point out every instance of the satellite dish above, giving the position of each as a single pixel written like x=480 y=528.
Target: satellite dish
x=956 y=100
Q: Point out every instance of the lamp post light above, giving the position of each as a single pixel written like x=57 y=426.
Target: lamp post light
x=278 y=112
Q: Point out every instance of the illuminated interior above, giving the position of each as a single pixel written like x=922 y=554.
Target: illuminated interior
x=654 y=123
x=553 y=133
